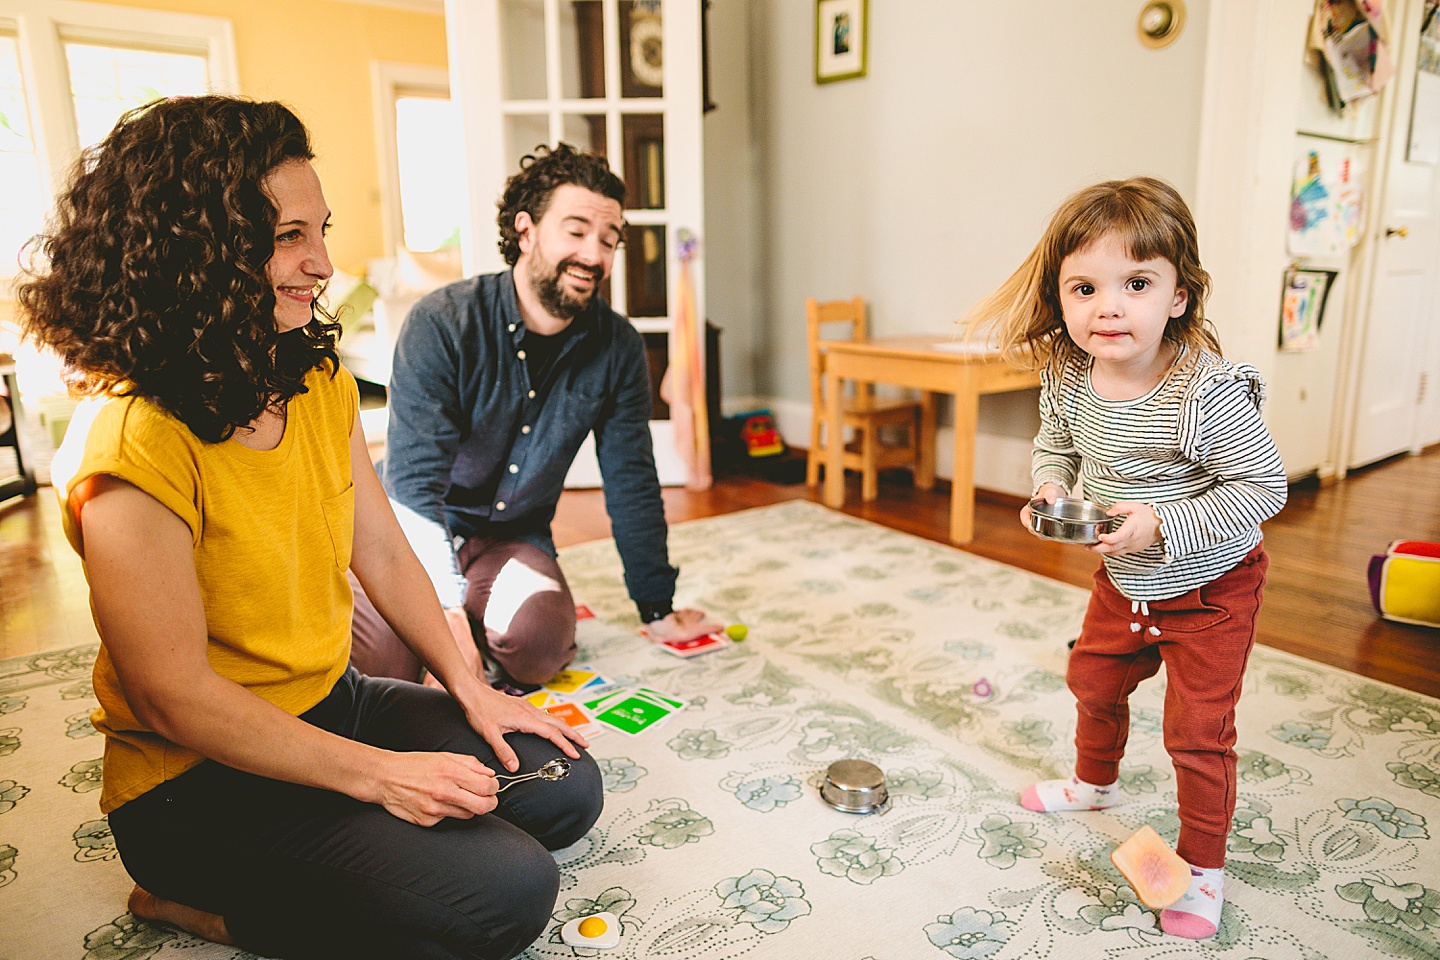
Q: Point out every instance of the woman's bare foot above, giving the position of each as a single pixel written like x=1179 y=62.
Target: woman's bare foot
x=147 y=906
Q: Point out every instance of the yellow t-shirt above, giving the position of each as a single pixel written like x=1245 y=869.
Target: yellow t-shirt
x=272 y=531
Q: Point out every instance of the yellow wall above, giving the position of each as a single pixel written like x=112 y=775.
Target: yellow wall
x=315 y=55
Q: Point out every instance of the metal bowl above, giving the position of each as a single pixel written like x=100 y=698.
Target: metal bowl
x=855 y=786
x=1069 y=520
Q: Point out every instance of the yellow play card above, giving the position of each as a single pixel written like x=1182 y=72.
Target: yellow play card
x=568 y=681
x=542 y=698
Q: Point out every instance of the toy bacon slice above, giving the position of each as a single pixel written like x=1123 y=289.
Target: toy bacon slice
x=1158 y=874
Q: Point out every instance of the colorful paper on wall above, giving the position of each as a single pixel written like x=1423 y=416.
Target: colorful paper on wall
x=1326 y=201
x=1302 y=308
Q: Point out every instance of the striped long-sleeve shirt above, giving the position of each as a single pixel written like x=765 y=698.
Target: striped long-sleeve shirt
x=1194 y=449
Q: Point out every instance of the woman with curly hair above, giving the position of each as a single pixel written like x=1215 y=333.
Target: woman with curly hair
x=218 y=487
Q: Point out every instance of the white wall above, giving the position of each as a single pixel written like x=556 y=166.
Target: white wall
x=923 y=185
x=732 y=186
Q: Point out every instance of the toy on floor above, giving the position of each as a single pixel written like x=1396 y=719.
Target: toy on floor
x=600 y=931
x=737 y=632
x=758 y=433
x=1405 y=582
x=1159 y=875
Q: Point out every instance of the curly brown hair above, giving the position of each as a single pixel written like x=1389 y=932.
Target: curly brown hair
x=541 y=174
x=154 y=280
x=1152 y=220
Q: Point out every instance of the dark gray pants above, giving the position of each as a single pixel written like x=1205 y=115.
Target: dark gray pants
x=520 y=608
x=299 y=872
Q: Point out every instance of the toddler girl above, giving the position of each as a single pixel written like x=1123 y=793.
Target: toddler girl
x=1137 y=404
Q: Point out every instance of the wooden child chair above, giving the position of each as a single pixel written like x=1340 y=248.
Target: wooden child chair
x=862 y=412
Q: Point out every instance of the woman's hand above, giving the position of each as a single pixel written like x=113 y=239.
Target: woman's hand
x=494 y=714
x=1141 y=529
x=425 y=788
x=1050 y=492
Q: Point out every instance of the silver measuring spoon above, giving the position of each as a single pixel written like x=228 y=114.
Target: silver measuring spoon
x=557 y=769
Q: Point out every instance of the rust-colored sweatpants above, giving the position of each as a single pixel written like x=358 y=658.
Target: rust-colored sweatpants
x=1204 y=641
x=521 y=612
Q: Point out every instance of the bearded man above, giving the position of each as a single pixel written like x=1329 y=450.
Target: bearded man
x=496 y=382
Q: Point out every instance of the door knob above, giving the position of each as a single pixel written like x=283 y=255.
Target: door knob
x=1401 y=232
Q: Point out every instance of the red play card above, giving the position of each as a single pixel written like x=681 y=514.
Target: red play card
x=583 y=612
x=694 y=646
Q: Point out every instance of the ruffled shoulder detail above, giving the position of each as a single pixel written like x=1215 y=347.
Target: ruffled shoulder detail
x=1210 y=371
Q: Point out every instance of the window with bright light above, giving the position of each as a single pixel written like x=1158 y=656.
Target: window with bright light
x=431 y=167
x=110 y=59
x=22 y=204
x=105 y=81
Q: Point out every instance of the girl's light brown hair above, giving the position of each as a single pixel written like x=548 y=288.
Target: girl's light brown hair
x=1149 y=217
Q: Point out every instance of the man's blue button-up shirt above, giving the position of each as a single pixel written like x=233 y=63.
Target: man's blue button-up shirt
x=477 y=447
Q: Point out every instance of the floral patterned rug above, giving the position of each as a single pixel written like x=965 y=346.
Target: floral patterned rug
x=944 y=669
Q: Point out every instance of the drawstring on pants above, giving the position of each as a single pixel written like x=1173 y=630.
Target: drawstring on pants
x=1141 y=608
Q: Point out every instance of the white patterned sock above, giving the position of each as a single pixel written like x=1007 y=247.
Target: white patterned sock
x=1054 y=796
x=1196 y=915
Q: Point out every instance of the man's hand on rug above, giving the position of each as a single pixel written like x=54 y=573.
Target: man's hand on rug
x=681 y=625
x=425 y=788
x=1141 y=529
x=494 y=714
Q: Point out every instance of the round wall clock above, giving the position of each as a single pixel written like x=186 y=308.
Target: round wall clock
x=647 y=48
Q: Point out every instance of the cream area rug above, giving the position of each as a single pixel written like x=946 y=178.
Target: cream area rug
x=943 y=669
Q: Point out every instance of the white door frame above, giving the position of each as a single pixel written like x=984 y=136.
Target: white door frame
x=1397 y=98
x=1247 y=141
x=1247 y=136
x=476 y=67
x=387 y=82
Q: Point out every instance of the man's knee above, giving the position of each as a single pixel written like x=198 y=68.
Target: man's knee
x=537 y=640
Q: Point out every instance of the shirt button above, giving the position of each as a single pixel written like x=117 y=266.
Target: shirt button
x=520 y=354
x=525 y=429
x=531 y=394
x=500 y=505
x=512 y=328
x=514 y=468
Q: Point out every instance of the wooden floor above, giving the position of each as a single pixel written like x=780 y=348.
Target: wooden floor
x=1316 y=601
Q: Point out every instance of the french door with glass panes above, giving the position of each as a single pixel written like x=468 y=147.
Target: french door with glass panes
x=621 y=78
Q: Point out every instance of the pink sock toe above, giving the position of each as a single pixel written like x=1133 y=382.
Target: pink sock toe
x=1180 y=924
x=1030 y=800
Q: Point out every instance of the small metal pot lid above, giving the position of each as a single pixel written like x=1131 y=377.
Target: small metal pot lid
x=854 y=786
x=855 y=775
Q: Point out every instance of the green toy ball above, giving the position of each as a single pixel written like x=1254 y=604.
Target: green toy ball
x=737 y=632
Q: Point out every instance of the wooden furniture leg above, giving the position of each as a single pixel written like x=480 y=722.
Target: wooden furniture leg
x=835 y=444
x=925 y=443
x=812 y=456
x=869 y=471
x=962 y=486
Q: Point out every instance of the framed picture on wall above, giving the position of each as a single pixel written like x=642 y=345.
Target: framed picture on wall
x=842 y=39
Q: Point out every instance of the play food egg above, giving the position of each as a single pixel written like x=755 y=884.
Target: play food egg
x=737 y=632
x=600 y=931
